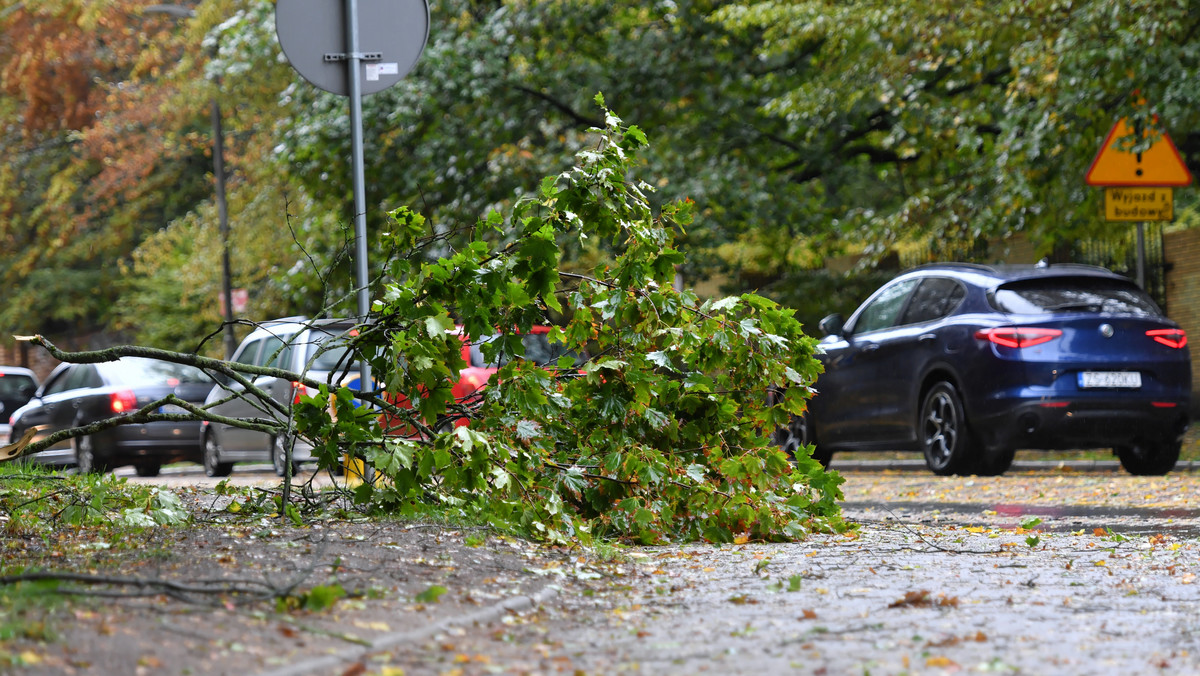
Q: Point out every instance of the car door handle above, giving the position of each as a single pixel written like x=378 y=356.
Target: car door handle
x=870 y=347
x=927 y=338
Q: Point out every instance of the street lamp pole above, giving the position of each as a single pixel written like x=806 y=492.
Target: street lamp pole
x=218 y=153
x=223 y=220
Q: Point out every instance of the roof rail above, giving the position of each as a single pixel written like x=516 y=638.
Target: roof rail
x=951 y=264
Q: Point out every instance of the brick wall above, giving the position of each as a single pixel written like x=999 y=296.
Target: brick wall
x=1182 y=253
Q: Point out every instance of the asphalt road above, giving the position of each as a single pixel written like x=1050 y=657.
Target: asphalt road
x=1054 y=571
x=1053 y=568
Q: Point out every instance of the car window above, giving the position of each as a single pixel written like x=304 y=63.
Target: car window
x=135 y=371
x=11 y=384
x=84 y=376
x=58 y=381
x=538 y=349
x=883 y=310
x=934 y=299
x=1073 y=294
x=274 y=353
x=249 y=353
x=328 y=352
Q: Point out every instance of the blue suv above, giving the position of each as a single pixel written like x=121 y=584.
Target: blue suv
x=968 y=363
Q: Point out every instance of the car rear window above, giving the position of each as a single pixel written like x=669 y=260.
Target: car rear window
x=133 y=371
x=328 y=351
x=11 y=384
x=1072 y=294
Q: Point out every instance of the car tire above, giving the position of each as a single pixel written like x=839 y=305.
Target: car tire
x=994 y=462
x=942 y=431
x=279 y=457
x=796 y=435
x=1149 y=459
x=148 y=469
x=85 y=456
x=213 y=467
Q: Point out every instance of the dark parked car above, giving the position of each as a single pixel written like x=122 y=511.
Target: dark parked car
x=17 y=386
x=968 y=363
x=79 y=394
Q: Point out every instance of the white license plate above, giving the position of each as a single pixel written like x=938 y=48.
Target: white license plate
x=1126 y=379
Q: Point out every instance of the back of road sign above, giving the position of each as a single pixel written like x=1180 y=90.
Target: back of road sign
x=392 y=35
x=1159 y=165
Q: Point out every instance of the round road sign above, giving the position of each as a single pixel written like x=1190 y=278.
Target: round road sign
x=391 y=37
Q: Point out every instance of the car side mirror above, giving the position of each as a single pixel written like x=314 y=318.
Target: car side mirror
x=832 y=325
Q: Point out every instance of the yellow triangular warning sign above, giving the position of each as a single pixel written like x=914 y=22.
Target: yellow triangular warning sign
x=1159 y=165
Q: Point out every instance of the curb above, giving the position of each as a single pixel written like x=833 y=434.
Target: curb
x=324 y=663
x=1020 y=465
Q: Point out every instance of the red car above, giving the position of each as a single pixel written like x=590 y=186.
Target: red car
x=479 y=370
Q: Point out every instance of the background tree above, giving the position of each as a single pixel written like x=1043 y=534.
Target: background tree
x=799 y=129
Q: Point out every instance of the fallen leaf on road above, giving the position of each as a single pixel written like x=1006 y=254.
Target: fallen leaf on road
x=923 y=599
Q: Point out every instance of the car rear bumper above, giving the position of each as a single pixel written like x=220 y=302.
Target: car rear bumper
x=1064 y=425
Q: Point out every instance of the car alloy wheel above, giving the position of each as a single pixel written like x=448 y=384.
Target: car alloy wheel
x=213 y=466
x=279 y=456
x=798 y=434
x=943 y=430
x=85 y=455
x=794 y=436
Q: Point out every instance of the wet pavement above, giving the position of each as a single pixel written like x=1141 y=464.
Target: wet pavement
x=1046 y=572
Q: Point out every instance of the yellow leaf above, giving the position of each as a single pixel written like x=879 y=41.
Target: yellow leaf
x=376 y=626
x=392 y=671
x=1101 y=563
x=30 y=657
x=741 y=539
x=976 y=529
x=940 y=662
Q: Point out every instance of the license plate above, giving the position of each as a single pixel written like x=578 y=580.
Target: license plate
x=1125 y=379
x=172 y=408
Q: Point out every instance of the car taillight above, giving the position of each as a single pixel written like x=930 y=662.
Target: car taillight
x=298 y=390
x=122 y=401
x=1018 y=336
x=1176 y=338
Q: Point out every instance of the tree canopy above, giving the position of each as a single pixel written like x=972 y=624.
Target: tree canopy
x=798 y=129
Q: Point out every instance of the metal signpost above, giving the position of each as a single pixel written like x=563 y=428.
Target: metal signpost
x=324 y=41
x=1138 y=186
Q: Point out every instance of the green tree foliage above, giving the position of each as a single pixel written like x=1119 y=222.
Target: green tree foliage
x=659 y=436
x=797 y=128
x=950 y=121
x=501 y=96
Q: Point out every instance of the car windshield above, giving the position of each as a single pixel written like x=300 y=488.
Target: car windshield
x=134 y=371
x=1073 y=294
x=538 y=349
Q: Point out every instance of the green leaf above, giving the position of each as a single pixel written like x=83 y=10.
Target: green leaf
x=322 y=597
x=431 y=595
x=439 y=326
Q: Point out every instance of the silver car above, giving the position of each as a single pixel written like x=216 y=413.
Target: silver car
x=314 y=348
